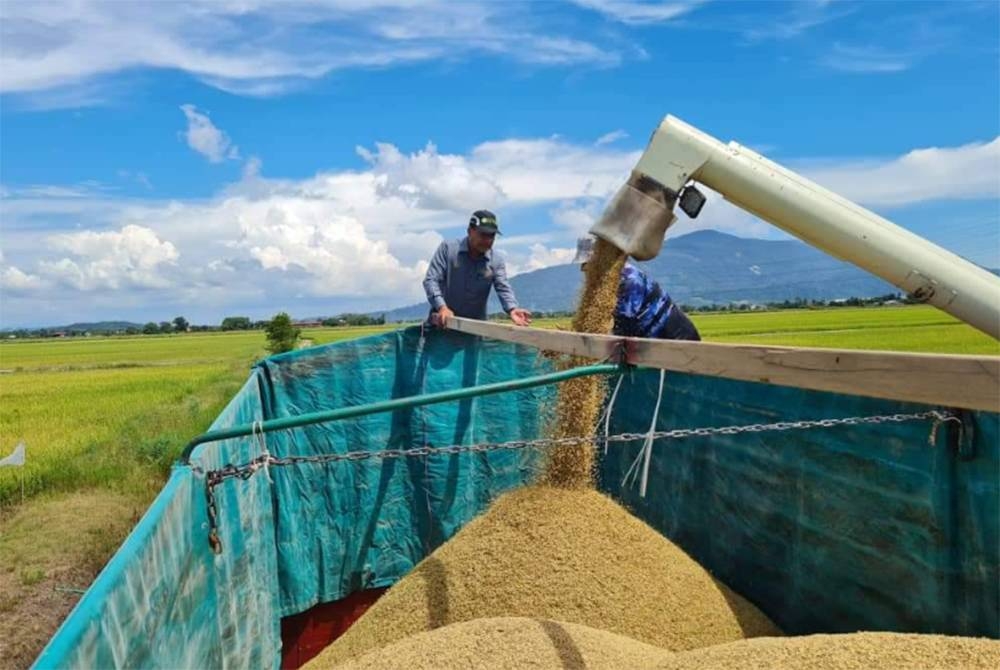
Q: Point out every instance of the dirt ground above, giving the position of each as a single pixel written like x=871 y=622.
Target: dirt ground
x=50 y=550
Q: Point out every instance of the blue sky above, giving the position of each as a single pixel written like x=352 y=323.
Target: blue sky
x=216 y=158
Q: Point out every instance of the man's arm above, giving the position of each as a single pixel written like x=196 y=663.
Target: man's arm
x=437 y=274
x=501 y=285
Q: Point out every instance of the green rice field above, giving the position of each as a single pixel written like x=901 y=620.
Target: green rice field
x=115 y=412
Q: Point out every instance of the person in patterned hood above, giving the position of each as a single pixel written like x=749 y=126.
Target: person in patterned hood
x=643 y=309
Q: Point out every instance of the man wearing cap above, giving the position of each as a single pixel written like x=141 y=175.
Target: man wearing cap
x=643 y=308
x=462 y=271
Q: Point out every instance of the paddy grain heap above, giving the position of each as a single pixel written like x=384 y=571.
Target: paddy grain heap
x=580 y=399
x=569 y=555
x=512 y=642
x=859 y=651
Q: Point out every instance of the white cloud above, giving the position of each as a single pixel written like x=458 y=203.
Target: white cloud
x=202 y=136
x=14 y=280
x=540 y=256
x=336 y=253
x=87 y=189
x=545 y=170
x=937 y=173
x=62 y=53
x=579 y=215
x=613 y=136
x=360 y=240
x=131 y=257
x=140 y=178
x=426 y=179
x=846 y=58
x=252 y=168
x=637 y=12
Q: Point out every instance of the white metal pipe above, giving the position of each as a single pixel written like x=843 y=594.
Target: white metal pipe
x=825 y=220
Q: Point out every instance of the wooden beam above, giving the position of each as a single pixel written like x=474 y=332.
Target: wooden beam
x=947 y=380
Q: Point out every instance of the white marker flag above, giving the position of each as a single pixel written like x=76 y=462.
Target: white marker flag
x=16 y=458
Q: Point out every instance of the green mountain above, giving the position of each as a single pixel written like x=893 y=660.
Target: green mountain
x=708 y=268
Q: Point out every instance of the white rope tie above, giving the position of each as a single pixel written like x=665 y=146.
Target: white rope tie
x=258 y=432
x=609 y=409
x=932 y=438
x=645 y=454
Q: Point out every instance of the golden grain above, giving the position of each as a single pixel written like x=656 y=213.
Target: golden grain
x=580 y=399
x=570 y=555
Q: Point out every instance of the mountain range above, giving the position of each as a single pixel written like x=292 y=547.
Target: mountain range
x=704 y=268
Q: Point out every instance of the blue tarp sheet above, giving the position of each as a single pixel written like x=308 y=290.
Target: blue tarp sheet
x=839 y=529
x=859 y=527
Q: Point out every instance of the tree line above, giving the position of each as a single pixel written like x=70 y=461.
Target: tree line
x=181 y=325
x=748 y=306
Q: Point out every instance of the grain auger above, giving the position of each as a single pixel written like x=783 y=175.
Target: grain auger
x=678 y=155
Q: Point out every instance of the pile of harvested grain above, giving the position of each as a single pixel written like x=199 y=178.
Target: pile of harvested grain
x=565 y=554
x=512 y=642
x=580 y=399
x=901 y=651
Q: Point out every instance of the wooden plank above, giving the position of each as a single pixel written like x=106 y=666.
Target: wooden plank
x=947 y=380
x=597 y=347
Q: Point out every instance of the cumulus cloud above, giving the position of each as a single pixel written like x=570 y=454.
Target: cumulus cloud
x=366 y=235
x=539 y=256
x=336 y=253
x=428 y=180
x=202 y=136
x=130 y=257
x=14 y=280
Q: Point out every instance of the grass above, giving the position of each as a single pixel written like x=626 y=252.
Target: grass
x=115 y=412
x=79 y=353
x=912 y=328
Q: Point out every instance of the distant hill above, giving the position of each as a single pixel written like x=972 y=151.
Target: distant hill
x=706 y=268
x=100 y=326
x=95 y=327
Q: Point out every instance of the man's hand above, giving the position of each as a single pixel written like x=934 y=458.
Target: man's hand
x=441 y=317
x=520 y=317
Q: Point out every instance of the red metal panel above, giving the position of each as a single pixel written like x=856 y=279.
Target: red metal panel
x=306 y=634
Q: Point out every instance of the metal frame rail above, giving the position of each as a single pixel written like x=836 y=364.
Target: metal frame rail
x=397 y=403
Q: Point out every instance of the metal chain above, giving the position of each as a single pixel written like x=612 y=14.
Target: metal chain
x=215 y=477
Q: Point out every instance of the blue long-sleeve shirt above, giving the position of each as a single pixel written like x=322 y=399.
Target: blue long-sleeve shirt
x=646 y=310
x=456 y=279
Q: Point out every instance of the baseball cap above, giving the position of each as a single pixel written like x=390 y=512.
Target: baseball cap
x=484 y=220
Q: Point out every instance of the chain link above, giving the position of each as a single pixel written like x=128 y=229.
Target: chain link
x=215 y=477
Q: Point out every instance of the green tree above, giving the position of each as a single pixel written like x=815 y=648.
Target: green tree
x=150 y=328
x=181 y=324
x=236 y=323
x=166 y=327
x=281 y=334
